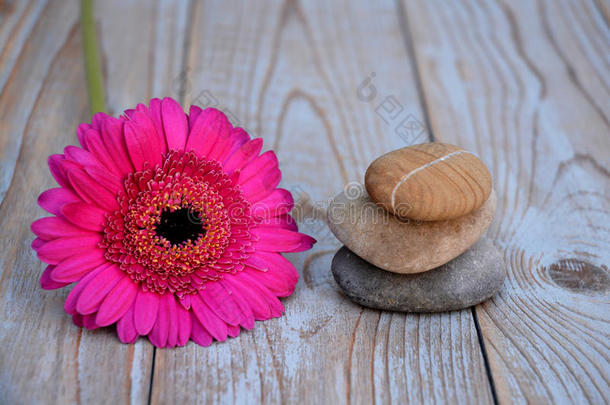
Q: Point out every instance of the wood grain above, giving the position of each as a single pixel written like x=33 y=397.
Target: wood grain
x=23 y=67
x=525 y=85
x=17 y=20
x=142 y=46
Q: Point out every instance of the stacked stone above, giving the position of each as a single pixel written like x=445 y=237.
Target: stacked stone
x=414 y=238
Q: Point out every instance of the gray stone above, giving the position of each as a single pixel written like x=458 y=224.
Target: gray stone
x=467 y=280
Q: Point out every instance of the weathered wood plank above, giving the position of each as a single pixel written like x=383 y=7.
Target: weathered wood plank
x=142 y=46
x=44 y=357
x=17 y=19
x=525 y=85
x=23 y=65
x=290 y=73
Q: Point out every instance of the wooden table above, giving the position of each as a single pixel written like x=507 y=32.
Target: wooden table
x=330 y=86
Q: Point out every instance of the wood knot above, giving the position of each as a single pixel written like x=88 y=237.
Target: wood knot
x=580 y=276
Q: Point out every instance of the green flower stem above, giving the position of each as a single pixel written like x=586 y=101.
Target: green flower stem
x=93 y=71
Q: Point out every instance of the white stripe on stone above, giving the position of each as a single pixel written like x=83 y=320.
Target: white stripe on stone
x=411 y=173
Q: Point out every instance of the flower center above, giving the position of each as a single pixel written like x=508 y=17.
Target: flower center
x=181 y=225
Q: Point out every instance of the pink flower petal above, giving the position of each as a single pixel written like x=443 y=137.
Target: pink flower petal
x=243 y=155
x=227 y=145
x=112 y=135
x=260 y=308
x=89 y=322
x=145 y=311
x=156 y=114
x=172 y=335
x=49 y=228
x=80 y=133
x=281 y=287
x=53 y=199
x=98 y=120
x=117 y=302
x=210 y=127
x=46 y=280
x=38 y=243
x=199 y=334
x=125 y=327
x=80 y=156
x=78 y=320
x=280 y=280
x=160 y=331
x=216 y=296
x=262 y=164
x=75 y=267
x=274 y=304
x=184 y=325
x=194 y=112
x=238 y=138
x=57 y=171
x=145 y=121
x=174 y=124
x=72 y=299
x=220 y=148
x=96 y=146
x=128 y=114
x=281 y=240
x=212 y=323
x=261 y=186
x=279 y=202
x=247 y=318
x=106 y=179
x=185 y=301
x=91 y=191
x=233 y=331
x=67 y=165
x=85 y=216
x=136 y=145
x=57 y=250
x=306 y=244
x=98 y=288
x=143 y=142
x=284 y=221
x=275 y=263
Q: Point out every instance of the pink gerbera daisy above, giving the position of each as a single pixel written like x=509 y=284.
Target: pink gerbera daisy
x=171 y=224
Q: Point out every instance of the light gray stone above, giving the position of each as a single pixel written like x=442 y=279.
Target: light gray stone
x=467 y=280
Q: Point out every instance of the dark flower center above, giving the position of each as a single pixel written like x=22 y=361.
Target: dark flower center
x=180 y=225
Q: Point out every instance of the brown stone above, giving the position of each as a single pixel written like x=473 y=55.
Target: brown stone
x=403 y=246
x=429 y=182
